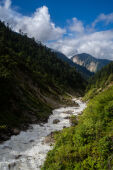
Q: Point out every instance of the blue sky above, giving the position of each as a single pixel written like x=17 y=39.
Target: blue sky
x=61 y=10
x=69 y=26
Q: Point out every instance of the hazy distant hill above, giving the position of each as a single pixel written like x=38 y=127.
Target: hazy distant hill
x=91 y=63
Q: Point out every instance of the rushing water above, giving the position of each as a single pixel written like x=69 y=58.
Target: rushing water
x=27 y=151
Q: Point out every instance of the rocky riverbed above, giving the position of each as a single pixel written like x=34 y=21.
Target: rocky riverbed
x=28 y=150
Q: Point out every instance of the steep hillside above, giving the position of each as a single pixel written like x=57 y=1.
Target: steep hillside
x=81 y=69
x=100 y=81
x=89 y=143
x=32 y=81
x=89 y=62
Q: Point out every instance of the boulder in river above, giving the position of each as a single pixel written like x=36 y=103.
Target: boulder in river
x=18 y=156
x=12 y=165
x=31 y=141
x=67 y=117
x=7 y=147
x=16 y=131
x=49 y=138
x=68 y=112
x=55 y=121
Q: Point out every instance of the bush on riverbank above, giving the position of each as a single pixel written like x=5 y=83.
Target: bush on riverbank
x=88 y=145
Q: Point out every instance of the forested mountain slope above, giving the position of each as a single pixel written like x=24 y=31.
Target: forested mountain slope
x=32 y=80
x=101 y=80
x=81 y=69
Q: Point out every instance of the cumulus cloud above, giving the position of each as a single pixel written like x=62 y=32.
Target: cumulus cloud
x=78 y=38
x=98 y=44
x=76 y=26
x=7 y=4
x=39 y=25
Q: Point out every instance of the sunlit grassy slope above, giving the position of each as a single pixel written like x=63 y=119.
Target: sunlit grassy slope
x=88 y=145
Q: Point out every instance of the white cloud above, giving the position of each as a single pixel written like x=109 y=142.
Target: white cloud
x=39 y=25
x=77 y=39
x=107 y=19
x=7 y=4
x=76 y=26
x=87 y=39
x=98 y=44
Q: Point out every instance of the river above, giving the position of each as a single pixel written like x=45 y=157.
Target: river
x=28 y=150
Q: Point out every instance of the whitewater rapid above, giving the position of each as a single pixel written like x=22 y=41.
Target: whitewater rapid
x=28 y=150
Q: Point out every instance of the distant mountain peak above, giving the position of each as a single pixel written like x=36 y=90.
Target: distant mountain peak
x=81 y=69
x=89 y=62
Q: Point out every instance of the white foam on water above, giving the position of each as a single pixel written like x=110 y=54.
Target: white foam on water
x=27 y=151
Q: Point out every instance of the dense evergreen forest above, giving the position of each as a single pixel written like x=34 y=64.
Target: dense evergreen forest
x=33 y=80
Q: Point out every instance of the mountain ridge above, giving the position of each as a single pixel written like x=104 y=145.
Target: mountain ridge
x=81 y=69
x=88 y=61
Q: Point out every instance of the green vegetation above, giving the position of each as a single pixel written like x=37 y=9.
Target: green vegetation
x=89 y=144
x=32 y=80
x=101 y=80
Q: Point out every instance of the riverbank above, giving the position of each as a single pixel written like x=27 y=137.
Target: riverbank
x=6 y=132
x=28 y=150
